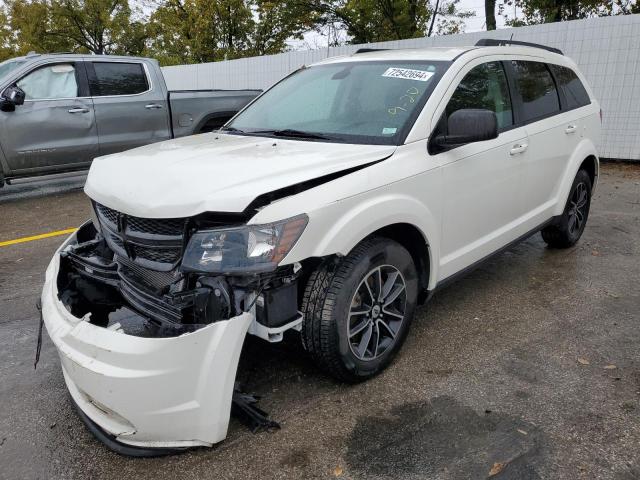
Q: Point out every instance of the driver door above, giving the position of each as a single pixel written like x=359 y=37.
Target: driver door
x=55 y=129
x=482 y=180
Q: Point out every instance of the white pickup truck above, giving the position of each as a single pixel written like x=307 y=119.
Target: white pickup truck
x=58 y=112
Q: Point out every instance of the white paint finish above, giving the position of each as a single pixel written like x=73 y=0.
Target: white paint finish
x=606 y=49
x=214 y=172
x=483 y=186
x=467 y=203
x=152 y=399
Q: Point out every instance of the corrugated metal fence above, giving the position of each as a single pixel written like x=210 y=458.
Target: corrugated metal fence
x=606 y=49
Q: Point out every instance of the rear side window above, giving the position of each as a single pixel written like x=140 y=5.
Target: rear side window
x=575 y=95
x=116 y=78
x=537 y=89
x=485 y=86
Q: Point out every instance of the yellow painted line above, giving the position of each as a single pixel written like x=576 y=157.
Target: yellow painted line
x=38 y=237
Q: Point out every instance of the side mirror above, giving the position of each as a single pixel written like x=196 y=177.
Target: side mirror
x=468 y=125
x=11 y=97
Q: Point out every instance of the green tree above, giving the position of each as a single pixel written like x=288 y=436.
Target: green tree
x=368 y=21
x=96 y=26
x=546 y=11
x=31 y=24
x=194 y=31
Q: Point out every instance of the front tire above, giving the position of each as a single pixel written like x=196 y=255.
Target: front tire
x=358 y=309
x=568 y=228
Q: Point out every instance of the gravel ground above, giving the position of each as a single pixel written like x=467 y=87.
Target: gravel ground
x=528 y=368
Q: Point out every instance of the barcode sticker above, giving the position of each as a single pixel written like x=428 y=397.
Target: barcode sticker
x=408 y=74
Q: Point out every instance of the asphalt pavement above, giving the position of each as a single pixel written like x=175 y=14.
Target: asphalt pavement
x=528 y=368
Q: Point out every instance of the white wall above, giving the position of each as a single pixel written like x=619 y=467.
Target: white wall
x=606 y=49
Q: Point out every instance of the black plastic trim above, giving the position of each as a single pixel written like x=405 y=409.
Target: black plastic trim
x=493 y=42
x=456 y=276
x=367 y=50
x=112 y=443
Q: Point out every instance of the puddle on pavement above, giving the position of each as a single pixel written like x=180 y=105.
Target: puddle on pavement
x=444 y=439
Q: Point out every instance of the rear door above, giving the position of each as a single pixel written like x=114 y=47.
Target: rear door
x=482 y=180
x=552 y=138
x=55 y=129
x=130 y=109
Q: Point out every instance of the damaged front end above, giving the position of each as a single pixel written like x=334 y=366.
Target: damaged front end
x=149 y=317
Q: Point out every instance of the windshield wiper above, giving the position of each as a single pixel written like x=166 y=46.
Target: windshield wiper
x=289 y=132
x=232 y=129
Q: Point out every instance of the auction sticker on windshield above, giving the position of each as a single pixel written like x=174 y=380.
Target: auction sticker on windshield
x=408 y=74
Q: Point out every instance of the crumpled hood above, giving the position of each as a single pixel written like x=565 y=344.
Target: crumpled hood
x=215 y=172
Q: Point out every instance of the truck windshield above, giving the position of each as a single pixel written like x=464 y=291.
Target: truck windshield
x=8 y=66
x=370 y=102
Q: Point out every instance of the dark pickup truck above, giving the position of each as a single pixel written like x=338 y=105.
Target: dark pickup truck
x=60 y=111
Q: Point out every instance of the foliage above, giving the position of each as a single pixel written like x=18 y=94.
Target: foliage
x=192 y=31
x=368 y=21
x=545 y=11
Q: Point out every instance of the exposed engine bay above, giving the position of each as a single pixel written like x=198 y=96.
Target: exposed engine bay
x=130 y=268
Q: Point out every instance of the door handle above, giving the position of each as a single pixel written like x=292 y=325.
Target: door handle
x=78 y=110
x=153 y=106
x=571 y=129
x=518 y=148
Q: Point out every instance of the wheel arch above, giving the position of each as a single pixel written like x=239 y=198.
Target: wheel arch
x=411 y=238
x=337 y=230
x=584 y=156
x=591 y=165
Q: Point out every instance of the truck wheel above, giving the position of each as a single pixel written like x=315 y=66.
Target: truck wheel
x=567 y=230
x=358 y=309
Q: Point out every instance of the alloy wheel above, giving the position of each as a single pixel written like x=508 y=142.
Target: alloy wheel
x=577 y=208
x=377 y=312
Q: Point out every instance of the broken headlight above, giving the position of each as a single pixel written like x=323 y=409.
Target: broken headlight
x=250 y=248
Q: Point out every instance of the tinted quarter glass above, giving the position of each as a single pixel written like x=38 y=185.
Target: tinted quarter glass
x=575 y=95
x=537 y=89
x=485 y=86
x=116 y=78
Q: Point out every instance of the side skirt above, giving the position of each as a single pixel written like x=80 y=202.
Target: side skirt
x=456 y=276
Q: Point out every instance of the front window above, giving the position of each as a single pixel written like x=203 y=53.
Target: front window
x=484 y=87
x=8 y=66
x=357 y=102
x=50 y=82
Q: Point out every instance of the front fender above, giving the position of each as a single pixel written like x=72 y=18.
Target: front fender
x=337 y=228
x=585 y=149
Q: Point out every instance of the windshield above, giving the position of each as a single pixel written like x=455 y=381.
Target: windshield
x=8 y=66
x=355 y=102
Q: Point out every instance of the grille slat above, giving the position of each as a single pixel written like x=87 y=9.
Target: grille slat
x=155 y=243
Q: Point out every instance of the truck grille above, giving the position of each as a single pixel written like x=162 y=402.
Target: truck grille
x=153 y=243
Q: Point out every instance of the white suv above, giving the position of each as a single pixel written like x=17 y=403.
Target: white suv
x=333 y=205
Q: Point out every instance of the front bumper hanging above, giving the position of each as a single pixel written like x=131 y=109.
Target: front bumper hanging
x=140 y=394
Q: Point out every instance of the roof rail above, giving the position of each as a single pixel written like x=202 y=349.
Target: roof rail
x=491 y=42
x=367 y=50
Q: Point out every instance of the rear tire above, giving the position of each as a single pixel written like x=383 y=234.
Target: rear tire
x=568 y=228
x=358 y=309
